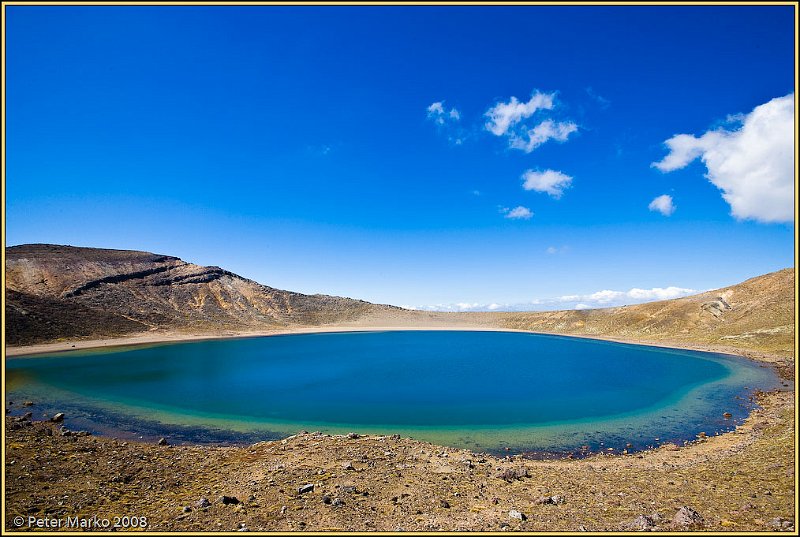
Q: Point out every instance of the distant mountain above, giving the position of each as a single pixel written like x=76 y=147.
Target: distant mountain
x=65 y=292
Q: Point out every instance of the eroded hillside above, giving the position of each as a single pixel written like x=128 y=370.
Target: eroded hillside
x=63 y=291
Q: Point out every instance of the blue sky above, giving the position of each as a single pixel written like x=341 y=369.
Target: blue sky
x=377 y=153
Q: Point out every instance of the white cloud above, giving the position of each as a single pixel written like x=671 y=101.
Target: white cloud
x=753 y=165
x=600 y=299
x=662 y=204
x=508 y=119
x=517 y=213
x=552 y=250
x=544 y=131
x=440 y=115
x=436 y=109
x=503 y=116
x=551 y=181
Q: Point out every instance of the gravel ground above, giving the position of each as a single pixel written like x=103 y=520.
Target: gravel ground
x=741 y=481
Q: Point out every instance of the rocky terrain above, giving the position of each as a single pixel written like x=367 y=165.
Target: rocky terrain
x=739 y=481
x=67 y=292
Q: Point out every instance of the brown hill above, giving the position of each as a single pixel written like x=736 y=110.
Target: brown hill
x=757 y=314
x=63 y=292
x=58 y=292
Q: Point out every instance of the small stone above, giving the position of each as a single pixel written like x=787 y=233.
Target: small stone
x=353 y=436
x=58 y=417
x=641 y=523
x=251 y=498
x=395 y=437
x=283 y=509
x=187 y=509
x=347 y=466
x=27 y=403
x=517 y=515
x=309 y=487
x=326 y=499
x=549 y=500
x=727 y=415
x=162 y=442
x=510 y=474
x=444 y=504
x=337 y=502
x=702 y=435
x=202 y=503
x=686 y=516
x=228 y=500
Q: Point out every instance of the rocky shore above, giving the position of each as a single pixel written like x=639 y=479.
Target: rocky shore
x=740 y=481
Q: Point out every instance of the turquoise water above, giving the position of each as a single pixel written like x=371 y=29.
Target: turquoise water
x=481 y=390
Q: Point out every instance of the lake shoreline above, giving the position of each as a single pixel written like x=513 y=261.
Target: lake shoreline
x=749 y=469
x=167 y=337
x=741 y=480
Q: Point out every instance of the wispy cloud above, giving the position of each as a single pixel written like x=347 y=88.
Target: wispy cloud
x=503 y=116
x=552 y=250
x=662 y=204
x=753 y=165
x=599 y=299
x=517 y=213
x=447 y=120
x=551 y=182
x=544 y=131
x=509 y=119
x=440 y=115
x=602 y=101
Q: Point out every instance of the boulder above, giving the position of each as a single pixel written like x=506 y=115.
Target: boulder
x=643 y=523
x=687 y=517
x=518 y=515
x=510 y=474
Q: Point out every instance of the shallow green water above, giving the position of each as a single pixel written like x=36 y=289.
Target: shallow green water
x=481 y=390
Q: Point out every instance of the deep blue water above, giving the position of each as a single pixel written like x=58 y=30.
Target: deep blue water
x=483 y=390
